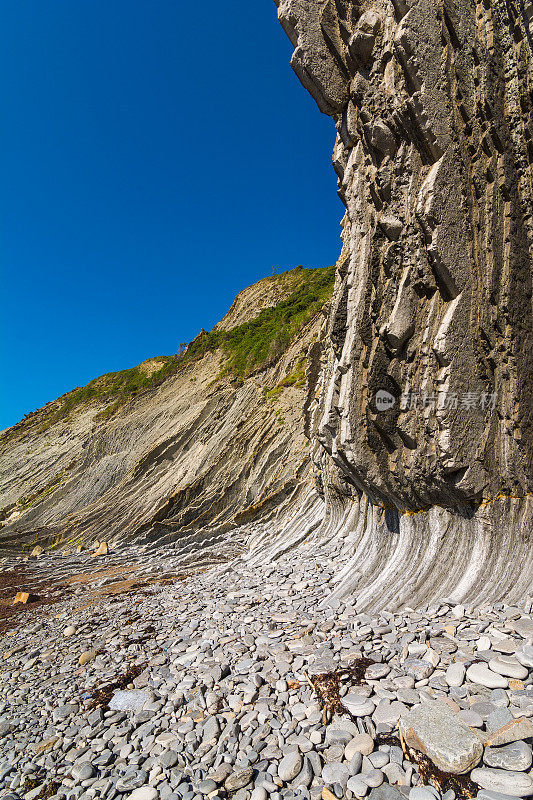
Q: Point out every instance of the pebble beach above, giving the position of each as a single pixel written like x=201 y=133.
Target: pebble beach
x=242 y=682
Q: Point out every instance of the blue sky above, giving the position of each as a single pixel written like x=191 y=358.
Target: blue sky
x=157 y=156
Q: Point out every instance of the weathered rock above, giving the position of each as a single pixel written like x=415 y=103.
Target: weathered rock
x=515 y=756
x=130 y=699
x=524 y=626
x=433 y=729
x=408 y=396
x=517 y=784
x=101 y=550
x=238 y=779
x=514 y=731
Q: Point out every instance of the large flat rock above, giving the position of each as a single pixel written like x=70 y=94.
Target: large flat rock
x=433 y=729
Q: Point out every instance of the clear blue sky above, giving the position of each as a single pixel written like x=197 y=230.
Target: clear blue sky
x=157 y=156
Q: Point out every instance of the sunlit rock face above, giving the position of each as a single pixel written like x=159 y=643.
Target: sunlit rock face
x=427 y=382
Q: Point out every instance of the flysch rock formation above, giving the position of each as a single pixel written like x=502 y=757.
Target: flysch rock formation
x=410 y=449
x=424 y=418
x=198 y=460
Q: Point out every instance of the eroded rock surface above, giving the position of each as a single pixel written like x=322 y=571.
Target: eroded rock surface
x=424 y=410
x=432 y=105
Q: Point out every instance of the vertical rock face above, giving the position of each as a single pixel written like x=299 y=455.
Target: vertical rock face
x=427 y=377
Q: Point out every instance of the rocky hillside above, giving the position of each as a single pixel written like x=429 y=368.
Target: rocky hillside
x=182 y=447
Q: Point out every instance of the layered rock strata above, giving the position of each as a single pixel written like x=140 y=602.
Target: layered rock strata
x=432 y=105
x=197 y=460
x=425 y=409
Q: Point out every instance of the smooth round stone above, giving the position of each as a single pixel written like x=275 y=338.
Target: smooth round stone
x=83 y=771
x=70 y=630
x=525 y=655
x=470 y=718
x=515 y=756
x=455 y=674
x=335 y=773
x=356 y=763
x=357 y=786
x=207 y=786
x=358 y=706
x=517 y=784
x=373 y=778
x=421 y=793
x=289 y=766
x=168 y=759
x=144 y=793
x=361 y=743
x=509 y=667
x=86 y=657
x=481 y=674
x=259 y=793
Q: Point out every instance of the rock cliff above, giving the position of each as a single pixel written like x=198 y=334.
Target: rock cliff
x=395 y=423
x=185 y=449
x=425 y=414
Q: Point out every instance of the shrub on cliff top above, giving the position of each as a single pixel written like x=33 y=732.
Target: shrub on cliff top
x=248 y=347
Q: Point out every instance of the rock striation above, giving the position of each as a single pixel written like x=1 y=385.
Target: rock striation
x=424 y=416
x=409 y=449
x=197 y=460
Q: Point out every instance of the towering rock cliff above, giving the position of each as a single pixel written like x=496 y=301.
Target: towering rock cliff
x=408 y=447
x=426 y=411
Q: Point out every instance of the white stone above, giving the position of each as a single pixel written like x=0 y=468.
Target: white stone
x=455 y=674
x=481 y=674
x=70 y=630
x=510 y=667
x=517 y=784
x=525 y=655
x=357 y=705
x=144 y=793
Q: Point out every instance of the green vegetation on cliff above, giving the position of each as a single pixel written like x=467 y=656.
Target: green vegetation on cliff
x=248 y=347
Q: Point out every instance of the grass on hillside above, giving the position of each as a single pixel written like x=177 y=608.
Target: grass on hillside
x=248 y=347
